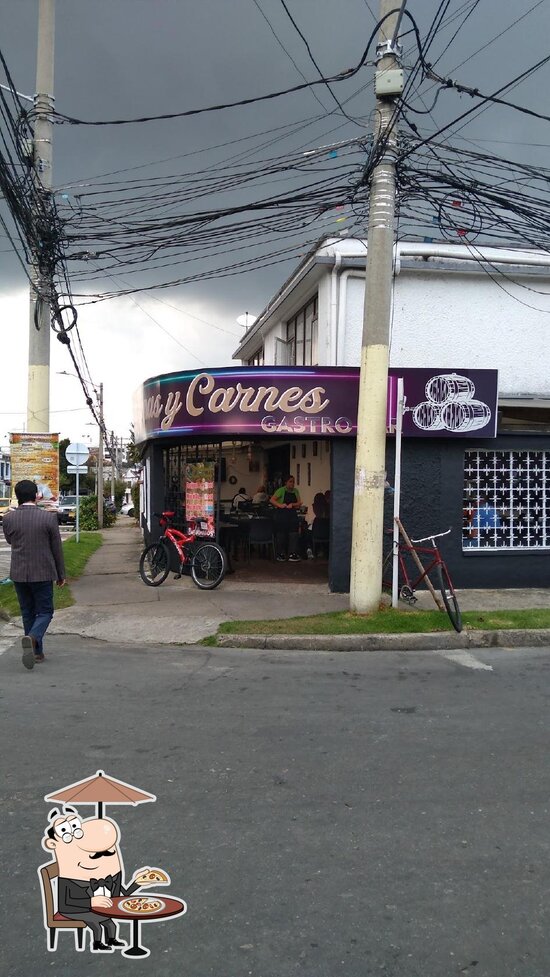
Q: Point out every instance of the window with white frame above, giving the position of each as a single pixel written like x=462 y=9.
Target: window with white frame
x=301 y=335
x=506 y=500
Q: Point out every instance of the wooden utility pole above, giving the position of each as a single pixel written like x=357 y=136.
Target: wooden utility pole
x=368 y=503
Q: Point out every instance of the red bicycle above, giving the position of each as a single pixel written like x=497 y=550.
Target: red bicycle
x=204 y=560
x=435 y=572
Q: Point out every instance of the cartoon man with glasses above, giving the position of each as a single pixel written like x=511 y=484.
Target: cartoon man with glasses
x=89 y=872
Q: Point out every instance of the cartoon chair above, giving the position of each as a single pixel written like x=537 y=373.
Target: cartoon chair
x=55 y=921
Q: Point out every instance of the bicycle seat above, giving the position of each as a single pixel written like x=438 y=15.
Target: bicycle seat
x=164 y=518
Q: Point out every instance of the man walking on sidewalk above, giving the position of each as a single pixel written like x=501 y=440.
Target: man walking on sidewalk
x=36 y=561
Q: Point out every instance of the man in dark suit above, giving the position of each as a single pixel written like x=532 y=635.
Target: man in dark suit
x=36 y=561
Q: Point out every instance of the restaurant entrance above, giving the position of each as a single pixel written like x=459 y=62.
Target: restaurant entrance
x=218 y=443
x=227 y=487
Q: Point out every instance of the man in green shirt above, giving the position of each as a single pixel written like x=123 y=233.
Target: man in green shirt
x=287 y=501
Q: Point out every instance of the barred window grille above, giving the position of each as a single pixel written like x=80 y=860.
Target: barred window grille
x=506 y=500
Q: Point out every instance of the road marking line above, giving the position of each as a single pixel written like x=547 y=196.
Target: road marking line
x=466 y=659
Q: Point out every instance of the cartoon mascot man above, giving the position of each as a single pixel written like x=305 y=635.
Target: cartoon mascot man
x=89 y=872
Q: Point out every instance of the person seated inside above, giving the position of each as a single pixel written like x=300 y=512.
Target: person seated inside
x=241 y=496
x=260 y=495
x=287 y=501
x=319 y=526
x=321 y=508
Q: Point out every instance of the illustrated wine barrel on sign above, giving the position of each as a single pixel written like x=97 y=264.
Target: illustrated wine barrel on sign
x=427 y=416
x=449 y=387
x=467 y=416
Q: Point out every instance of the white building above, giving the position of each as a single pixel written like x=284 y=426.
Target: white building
x=454 y=307
x=449 y=307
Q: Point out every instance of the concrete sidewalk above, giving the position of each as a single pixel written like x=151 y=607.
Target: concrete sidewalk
x=113 y=604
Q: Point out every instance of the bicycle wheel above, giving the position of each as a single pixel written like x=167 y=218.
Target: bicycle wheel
x=387 y=571
x=154 y=564
x=208 y=566
x=449 y=597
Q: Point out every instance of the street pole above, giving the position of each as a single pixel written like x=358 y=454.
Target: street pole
x=113 y=465
x=100 y=462
x=77 y=519
x=368 y=502
x=38 y=396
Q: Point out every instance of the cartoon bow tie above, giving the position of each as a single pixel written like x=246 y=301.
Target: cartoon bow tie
x=107 y=883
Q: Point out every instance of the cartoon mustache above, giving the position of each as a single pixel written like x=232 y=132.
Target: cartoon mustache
x=99 y=854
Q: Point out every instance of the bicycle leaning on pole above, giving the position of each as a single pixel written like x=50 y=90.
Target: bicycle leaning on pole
x=203 y=559
x=434 y=575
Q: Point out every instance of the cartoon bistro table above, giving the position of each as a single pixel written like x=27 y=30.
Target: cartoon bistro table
x=169 y=907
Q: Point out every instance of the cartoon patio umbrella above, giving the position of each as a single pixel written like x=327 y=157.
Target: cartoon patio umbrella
x=100 y=790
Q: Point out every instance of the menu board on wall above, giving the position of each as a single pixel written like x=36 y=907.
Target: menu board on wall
x=36 y=457
x=199 y=497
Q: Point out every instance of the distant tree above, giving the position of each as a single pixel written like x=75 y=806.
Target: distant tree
x=133 y=456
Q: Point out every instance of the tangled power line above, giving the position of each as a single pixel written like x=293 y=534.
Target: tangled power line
x=261 y=206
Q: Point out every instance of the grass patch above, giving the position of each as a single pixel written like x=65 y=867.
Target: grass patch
x=389 y=620
x=76 y=557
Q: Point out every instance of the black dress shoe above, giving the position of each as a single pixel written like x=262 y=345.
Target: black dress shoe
x=116 y=943
x=100 y=946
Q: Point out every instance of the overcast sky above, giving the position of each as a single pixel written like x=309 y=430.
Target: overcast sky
x=126 y=58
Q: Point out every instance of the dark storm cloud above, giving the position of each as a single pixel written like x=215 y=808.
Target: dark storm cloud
x=125 y=58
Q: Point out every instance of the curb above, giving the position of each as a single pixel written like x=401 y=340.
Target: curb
x=442 y=641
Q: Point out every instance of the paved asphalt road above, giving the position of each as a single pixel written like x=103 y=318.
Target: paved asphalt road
x=321 y=814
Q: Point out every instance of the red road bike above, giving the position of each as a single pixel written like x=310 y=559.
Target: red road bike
x=201 y=558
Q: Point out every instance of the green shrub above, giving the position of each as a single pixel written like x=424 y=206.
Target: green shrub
x=88 y=514
x=120 y=488
x=135 y=500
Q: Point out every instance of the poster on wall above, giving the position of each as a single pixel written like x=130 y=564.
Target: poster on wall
x=199 y=497
x=36 y=457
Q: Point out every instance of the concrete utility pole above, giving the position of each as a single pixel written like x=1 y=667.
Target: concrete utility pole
x=368 y=503
x=113 y=464
x=38 y=399
x=100 y=461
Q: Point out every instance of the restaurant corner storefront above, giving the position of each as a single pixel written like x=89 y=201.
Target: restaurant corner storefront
x=204 y=435
x=251 y=427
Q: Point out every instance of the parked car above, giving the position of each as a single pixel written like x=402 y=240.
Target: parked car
x=67 y=509
x=127 y=509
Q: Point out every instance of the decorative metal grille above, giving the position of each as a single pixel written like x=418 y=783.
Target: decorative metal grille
x=506 y=500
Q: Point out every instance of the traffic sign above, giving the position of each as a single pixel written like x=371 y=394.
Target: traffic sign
x=77 y=470
x=77 y=454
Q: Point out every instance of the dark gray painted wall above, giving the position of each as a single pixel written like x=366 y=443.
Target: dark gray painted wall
x=432 y=501
x=341 y=497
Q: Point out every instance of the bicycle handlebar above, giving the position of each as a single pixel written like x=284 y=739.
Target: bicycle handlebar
x=432 y=537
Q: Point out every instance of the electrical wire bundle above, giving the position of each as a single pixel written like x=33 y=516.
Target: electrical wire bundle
x=251 y=210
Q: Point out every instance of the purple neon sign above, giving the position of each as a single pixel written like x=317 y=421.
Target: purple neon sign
x=310 y=401
x=250 y=402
